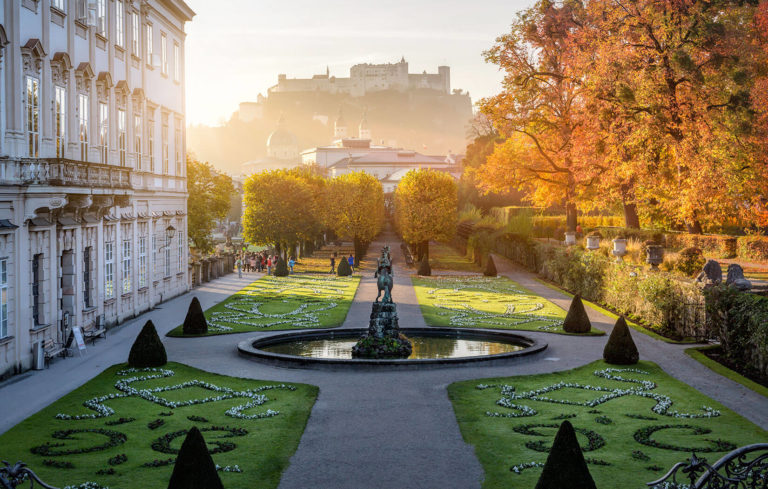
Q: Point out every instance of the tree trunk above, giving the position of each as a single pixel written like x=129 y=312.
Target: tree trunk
x=425 y=250
x=693 y=226
x=359 y=250
x=570 y=217
x=630 y=216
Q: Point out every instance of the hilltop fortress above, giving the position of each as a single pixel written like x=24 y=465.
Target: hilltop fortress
x=366 y=78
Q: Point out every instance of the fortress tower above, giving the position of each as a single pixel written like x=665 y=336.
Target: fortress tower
x=340 y=127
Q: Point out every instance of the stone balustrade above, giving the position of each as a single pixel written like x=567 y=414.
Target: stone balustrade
x=62 y=172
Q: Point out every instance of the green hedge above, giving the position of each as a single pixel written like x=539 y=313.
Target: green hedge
x=740 y=321
x=719 y=246
x=753 y=248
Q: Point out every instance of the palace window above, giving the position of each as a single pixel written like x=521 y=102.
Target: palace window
x=120 y=23
x=181 y=249
x=104 y=132
x=137 y=140
x=59 y=4
x=60 y=119
x=135 y=33
x=142 y=261
x=81 y=11
x=176 y=62
x=87 y=277
x=150 y=52
x=32 y=100
x=155 y=268
x=126 y=266
x=168 y=260
x=177 y=146
x=3 y=298
x=82 y=118
x=121 y=136
x=101 y=17
x=151 y=144
x=164 y=54
x=37 y=268
x=164 y=142
x=109 y=270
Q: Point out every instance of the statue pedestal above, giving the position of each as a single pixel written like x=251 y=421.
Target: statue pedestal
x=383 y=339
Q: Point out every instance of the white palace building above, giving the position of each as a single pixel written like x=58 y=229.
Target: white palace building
x=92 y=166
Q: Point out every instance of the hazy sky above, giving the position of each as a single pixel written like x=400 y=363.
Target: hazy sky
x=236 y=48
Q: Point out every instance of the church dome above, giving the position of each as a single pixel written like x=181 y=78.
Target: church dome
x=281 y=137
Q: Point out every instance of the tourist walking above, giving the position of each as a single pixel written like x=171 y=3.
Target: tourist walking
x=253 y=263
x=351 y=261
x=333 y=264
x=291 y=263
x=269 y=265
x=239 y=266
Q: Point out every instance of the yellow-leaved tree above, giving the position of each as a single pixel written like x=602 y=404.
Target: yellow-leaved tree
x=281 y=208
x=425 y=208
x=354 y=209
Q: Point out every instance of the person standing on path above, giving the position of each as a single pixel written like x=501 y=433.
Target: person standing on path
x=351 y=261
x=269 y=265
x=333 y=264
x=239 y=266
x=291 y=263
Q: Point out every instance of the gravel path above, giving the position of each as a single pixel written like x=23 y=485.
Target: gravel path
x=372 y=429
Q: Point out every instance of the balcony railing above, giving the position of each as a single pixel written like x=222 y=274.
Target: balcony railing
x=62 y=172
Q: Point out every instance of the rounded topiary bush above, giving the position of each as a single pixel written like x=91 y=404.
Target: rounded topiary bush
x=490 y=267
x=577 y=320
x=281 y=268
x=690 y=261
x=194 y=467
x=343 y=270
x=621 y=349
x=424 y=268
x=195 y=322
x=565 y=465
x=147 y=350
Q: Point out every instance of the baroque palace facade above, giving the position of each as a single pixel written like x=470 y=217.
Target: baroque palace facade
x=92 y=166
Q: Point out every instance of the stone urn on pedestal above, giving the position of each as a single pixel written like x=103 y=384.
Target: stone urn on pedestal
x=570 y=238
x=654 y=255
x=593 y=241
x=619 y=248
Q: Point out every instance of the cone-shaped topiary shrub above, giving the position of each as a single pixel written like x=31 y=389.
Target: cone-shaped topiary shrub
x=490 y=268
x=147 y=350
x=195 y=322
x=565 y=466
x=577 y=321
x=194 y=468
x=343 y=270
x=281 y=268
x=424 y=268
x=621 y=349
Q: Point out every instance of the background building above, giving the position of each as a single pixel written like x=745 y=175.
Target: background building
x=92 y=165
x=366 y=78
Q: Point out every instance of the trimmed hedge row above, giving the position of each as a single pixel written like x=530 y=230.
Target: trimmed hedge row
x=740 y=321
x=753 y=248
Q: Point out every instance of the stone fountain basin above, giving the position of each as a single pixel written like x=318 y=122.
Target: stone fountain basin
x=254 y=348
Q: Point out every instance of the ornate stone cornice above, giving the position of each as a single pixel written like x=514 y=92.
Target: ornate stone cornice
x=60 y=66
x=32 y=55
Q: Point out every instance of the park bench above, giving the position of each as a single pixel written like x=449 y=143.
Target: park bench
x=743 y=468
x=51 y=349
x=96 y=330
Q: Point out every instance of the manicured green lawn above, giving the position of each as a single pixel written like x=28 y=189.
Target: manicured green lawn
x=627 y=439
x=445 y=257
x=276 y=303
x=486 y=302
x=261 y=448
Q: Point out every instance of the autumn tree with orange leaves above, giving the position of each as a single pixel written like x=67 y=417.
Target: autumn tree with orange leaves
x=657 y=105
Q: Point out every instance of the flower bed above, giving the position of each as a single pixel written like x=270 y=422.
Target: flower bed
x=278 y=303
x=629 y=421
x=483 y=302
x=251 y=428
